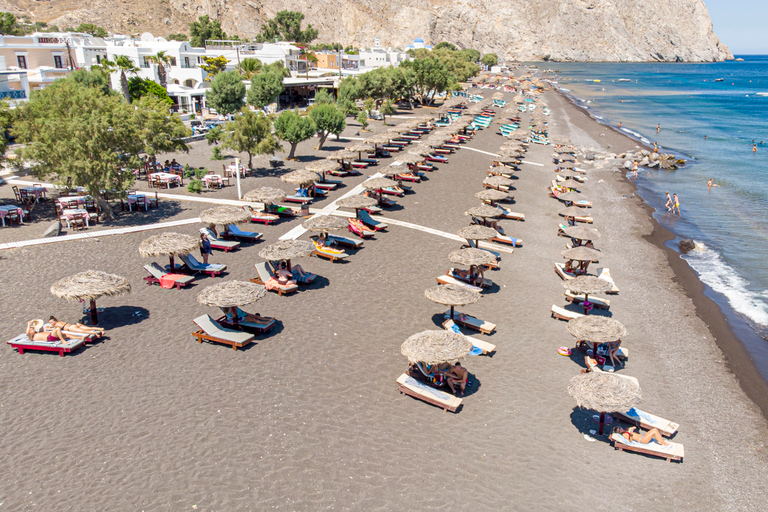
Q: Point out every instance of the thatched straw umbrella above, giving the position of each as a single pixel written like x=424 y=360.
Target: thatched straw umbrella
x=603 y=392
x=581 y=253
x=497 y=182
x=410 y=158
x=356 y=202
x=564 y=151
x=266 y=195
x=492 y=195
x=231 y=294
x=587 y=285
x=572 y=211
x=376 y=184
x=394 y=170
x=596 y=329
x=359 y=148
x=324 y=223
x=300 y=177
x=322 y=167
x=225 y=215
x=168 y=244
x=451 y=295
x=474 y=258
x=436 y=347
x=570 y=184
x=569 y=174
x=287 y=250
x=484 y=211
x=477 y=233
x=582 y=233
x=570 y=197
x=518 y=98
x=90 y=285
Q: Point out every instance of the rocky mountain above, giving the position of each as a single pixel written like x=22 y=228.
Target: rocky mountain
x=558 y=30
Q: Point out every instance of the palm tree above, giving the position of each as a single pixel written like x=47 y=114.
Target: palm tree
x=125 y=65
x=163 y=61
x=249 y=67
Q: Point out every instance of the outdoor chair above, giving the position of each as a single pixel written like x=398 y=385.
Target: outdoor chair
x=269 y=280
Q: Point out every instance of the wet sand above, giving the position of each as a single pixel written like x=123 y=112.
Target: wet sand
x=310 y=417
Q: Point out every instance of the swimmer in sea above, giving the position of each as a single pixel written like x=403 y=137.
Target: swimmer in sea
x=754 y=148
x=658 y=128
x=711 y=183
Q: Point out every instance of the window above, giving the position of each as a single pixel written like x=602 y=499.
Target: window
x=173 y=61
x=186 y=63
x=98 y=59
x=22 y=61
x=58 y=62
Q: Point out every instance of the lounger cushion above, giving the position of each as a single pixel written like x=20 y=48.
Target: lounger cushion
x=214 y=330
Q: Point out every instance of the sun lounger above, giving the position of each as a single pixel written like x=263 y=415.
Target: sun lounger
x=22 y=343
x=596 y=301
x=158 y=275
x=298 y=199
x=357 y=227
x=326 y=185
x=471 y=322
x=233 y=230
x=593 y=367
x=210 y=330
x=484 y=346
x=258 y=327
x=605 y=273
x=329 y=252
x=345 y=241
x=674 y=451
x=411 y=387
x=221 y=245
x=195 y=266
x=307 y=278
x=495 y=171
x=648 y=421
x=560 y=270
x=487 y=283
x=372 y=209
x=270 y=282
x=509 y=214
x=452 y=280
x=264 y=217
x=503 y=239
x=285 y=211
x=371 y=222
x=564 y=314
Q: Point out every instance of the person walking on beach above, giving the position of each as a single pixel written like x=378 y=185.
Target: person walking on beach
x=676 y=204
x=635 y=166
x=205 y=247
x=669 y=202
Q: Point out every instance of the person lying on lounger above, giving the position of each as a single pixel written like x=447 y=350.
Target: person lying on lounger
x=458 y=375
x=76 y=327
x=54 y=335
x=652 y=435
x=242 y=316
x=474 y=278
x=295 y=269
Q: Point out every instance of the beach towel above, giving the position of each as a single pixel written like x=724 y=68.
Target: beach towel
x=168 y=281
x=637 y=414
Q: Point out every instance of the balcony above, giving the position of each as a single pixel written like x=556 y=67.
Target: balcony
x=13 y=95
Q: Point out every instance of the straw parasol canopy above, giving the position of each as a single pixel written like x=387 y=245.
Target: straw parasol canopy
x=484 y=211
x=168 y=244
x=587 y=285
x=394 y=170
x=360 y=146
x=286 y=250
x=322 y=166
x=497 y=181
x=596 y=329
x=559 y=141
x=378 y=138
x=378 y=183
x=604 y=392
x=410 y=158
x=356 y=202
x=564 y=151
x=225 y=215
x=491 y=194
x=471 y=256
x=300 y=177
x=342 y=154
x=582 y=233
x=90 y=285
x=572 y=211
x=265 y=195
x=325 y=223
x=569 y=183
x=421 y=150
x=570 y=197
x=581 y=253
x=451 y=295
x=476 y=232
x=435 y=347
x=231 y=293
x=518 y=98
x=569 y=174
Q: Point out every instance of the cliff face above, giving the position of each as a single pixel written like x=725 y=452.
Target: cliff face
x=575 y=30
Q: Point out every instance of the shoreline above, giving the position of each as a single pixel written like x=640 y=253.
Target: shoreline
x=738 y=359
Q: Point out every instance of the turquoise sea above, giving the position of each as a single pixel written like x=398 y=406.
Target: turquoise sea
x=714 y=125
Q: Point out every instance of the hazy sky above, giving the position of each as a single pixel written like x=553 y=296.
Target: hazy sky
x=741 y=24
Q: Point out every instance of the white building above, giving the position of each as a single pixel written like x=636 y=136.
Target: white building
x=268 y=53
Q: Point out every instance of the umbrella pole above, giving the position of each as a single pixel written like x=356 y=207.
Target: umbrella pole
x=586 y=298
x=289 y=265
x=451 y=312
x=171 y=258
x=94 y=313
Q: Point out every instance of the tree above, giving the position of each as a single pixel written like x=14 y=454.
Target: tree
x=124 y=65
x=387 y=109
x=8 y=24
x=490 y=59
x=250 y=67
x=79 y=136
x=204 y=29
x=139 y=88
x=94 y=30
x=159 y=132
x=214 y=135
x=162 y=60
x=265 y=87
x=328 y=119
x=293 y=128
x=322 y=96
x=227 y=93
x=96 y=77
x=362 y=118
x=6 y=117
x=445 y=44
x=430 y=76
x=286 y=25
x=178 y=37
x=251 y=133
x=469 y=55
x=213 y=66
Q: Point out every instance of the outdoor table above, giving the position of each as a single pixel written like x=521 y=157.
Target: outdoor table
x=38 y=192
x=66 y=201
x=232 y=170
x=166 y=178
x=210 y=179
x=8 y=208
x=76 y=213
x=132 y=198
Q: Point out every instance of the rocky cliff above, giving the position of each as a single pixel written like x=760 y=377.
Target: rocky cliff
x=560 y=30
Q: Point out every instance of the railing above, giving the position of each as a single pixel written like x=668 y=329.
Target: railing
x=13 y=95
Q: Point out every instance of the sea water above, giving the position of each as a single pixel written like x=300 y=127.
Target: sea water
x=714 y=125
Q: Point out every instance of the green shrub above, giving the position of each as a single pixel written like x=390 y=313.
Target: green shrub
x=216 y=153
x=362 y=118
x=195 y=186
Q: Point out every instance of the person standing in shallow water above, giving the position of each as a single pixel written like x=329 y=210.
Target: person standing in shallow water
x=676 y=204
x=669 y=202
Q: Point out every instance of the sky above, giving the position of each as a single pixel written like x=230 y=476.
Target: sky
x=741 y=24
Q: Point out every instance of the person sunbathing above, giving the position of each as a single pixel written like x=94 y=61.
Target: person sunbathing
x=76 y=327
x=630 y=435
x=54 y=335
x=296 y=270
x=242 y=316
x=458 y=375
x=473 y=278
x=284 y=276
